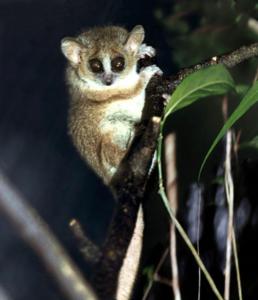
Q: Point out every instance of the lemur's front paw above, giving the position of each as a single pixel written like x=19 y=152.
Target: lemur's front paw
x=151 y=71
x=145 y=50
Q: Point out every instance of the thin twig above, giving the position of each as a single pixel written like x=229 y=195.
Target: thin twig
x=229 y=60
x=91 y=253
x=231 y=237
x=38 y=236
x=229 y=187
x=171 y=187
x=239 y=283
x=159 y=265
x=230 y=199
x=198 y=241
x=166 y=281
x=190 y=246
x=236 y=57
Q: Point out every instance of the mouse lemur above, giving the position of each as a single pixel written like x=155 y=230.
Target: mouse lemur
x=107 y=94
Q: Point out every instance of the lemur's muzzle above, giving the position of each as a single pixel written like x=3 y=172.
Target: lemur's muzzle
x=108 y=79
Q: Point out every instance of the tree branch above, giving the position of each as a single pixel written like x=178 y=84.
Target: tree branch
x=90 y=252
x=128 y=188
x=38 y=236
x=168 y=84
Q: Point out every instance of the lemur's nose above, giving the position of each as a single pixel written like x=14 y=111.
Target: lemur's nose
x=108 y=79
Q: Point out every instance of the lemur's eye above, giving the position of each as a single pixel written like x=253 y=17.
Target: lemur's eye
x=118 y=64
x=96 y=65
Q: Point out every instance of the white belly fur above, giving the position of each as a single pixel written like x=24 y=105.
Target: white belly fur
x=120 y=118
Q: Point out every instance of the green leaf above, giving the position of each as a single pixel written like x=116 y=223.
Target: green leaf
x=242 y=89
x=215 y=80
x=248 y=101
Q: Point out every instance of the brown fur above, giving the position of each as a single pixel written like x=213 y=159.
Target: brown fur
x=99 y=41
x=89 y=102
x=84 y=117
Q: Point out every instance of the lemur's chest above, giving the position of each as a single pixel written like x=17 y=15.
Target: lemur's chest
x=120 y=117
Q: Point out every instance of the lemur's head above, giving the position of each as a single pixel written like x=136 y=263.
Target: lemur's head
x=104 y=55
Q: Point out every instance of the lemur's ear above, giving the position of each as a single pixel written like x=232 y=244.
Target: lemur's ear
x=71 y=50
x=135 y=39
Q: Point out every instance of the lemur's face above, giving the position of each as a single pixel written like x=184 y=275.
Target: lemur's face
x=104 y=56
x=105 y=67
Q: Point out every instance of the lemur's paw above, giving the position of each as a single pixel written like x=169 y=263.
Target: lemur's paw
x=145 y=50
x=152 y=70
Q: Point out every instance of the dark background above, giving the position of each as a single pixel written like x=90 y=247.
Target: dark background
x=35 y=151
